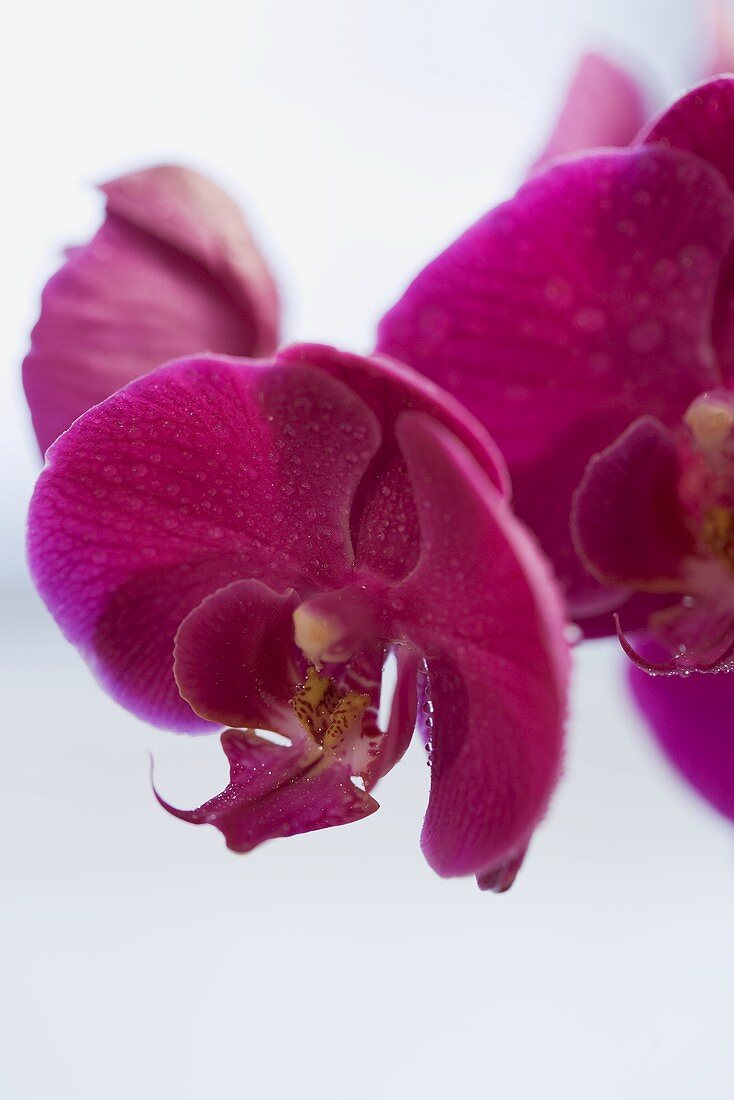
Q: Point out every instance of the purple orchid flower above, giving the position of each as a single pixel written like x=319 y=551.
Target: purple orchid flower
x=589 y=324
x=172 y=271
x=241 y=544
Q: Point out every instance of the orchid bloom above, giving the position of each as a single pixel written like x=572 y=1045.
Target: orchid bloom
x=589 y=324
x=242 y=544
x=172 y=271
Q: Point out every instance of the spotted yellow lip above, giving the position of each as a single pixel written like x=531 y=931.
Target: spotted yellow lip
x=325 y=713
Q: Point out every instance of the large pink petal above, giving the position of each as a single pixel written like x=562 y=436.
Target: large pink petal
x=172 y=271
x=384 y=521
x=628 y=521
x=204 y=472
x=691 y=719
x=702 y=122
x=604 y=107
x=567 y=312
x=483 y=609
x=277 y=791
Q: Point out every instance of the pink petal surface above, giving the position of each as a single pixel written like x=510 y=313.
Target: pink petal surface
x=276 y=791
x=702 y=122
x=628 y=521
x=567 y=312
x=172 y=271
x=234 y=658
x=186 y=210
x=604 y=107
x=384 y=521
x=187 y=480
x=483 y=610
x=691 y=719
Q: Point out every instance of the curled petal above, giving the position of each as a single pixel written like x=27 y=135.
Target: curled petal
x=501 y=879
x=604 y=107
x=483 y=609
x=568 y=312
x=698 y=632
x=384 y=522
x=277 y=791
x=627 y=518
x=172 y=271
x=691 y=721
x=204 y=472
x=401 y=721
x=636 y=610
x=234 y=659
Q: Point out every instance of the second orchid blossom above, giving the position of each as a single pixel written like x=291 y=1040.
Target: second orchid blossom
x=588 y=324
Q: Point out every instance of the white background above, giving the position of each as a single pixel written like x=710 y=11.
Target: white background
x=140 y=959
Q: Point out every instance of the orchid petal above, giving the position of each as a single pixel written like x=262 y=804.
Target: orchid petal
x=483 y=609
x=277 y=791
x=691 y=721
x=235 y=661
x=204 y=472
x=702 y=122
x=384 y=521
x=567 y=312
x=627 y=520
x=699 y=122
x=172 y=271
x=402 y=716
x=604 y=107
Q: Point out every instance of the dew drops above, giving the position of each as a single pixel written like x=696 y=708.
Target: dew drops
x=646 y=336
x=590 y=319
x=627 y=227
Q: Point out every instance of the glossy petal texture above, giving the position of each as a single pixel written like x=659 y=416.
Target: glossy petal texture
x=628 y=522
x=702 y=122
x=604 y=107
x=275 y=791
x=188 y=480
x=235 y=661
x=172 y=271
x=565 y=314
x=384 y=521
x=692 y=722
x=482 y=609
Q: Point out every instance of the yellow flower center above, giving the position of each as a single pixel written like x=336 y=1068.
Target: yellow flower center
x=325 y=713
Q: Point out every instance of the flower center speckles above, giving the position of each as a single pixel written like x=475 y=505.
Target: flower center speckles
x=717 y=532
x=708 y=480
x=325 y=713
